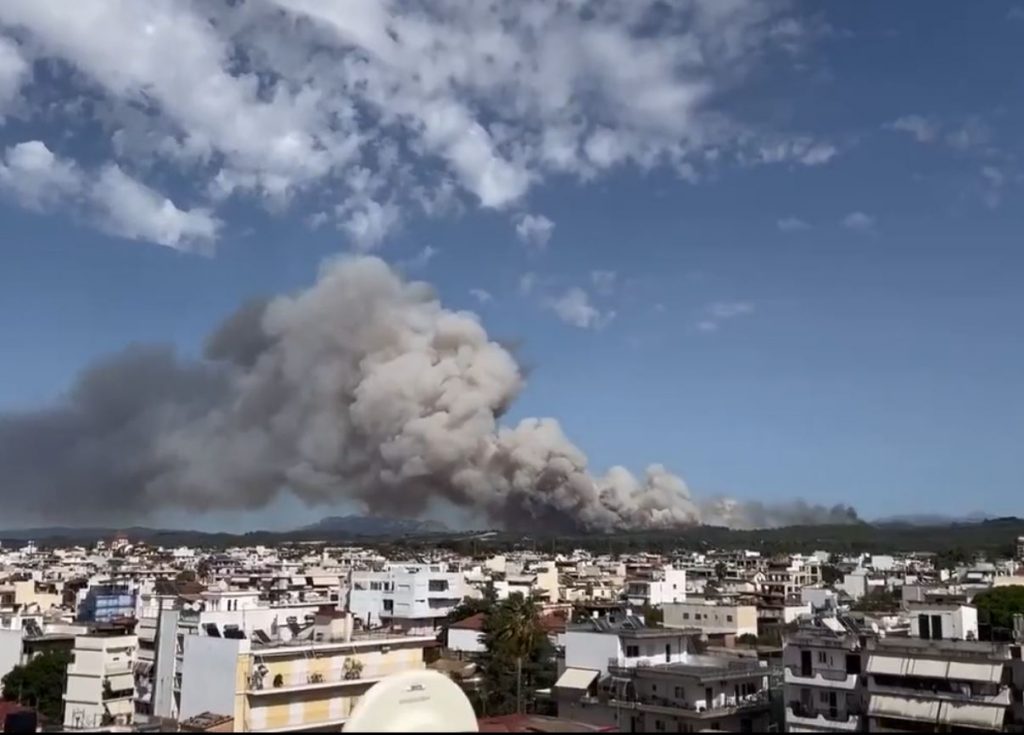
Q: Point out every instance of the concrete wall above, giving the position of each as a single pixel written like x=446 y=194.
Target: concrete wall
x=587 y=650
x=714 y=619
x=467 y=641
x=10 y=650
x=208 y=675
x=957 y=624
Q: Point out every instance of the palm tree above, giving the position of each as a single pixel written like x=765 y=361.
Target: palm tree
x=516 y=630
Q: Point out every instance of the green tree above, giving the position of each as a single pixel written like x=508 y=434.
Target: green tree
x=997 y=606
x=721 y=570
x=39 y=683
x=519 y=658
x=830 y=574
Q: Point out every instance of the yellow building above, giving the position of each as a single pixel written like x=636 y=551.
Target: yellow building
x=310 y=682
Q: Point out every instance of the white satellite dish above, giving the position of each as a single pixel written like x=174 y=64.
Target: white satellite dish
x=413 y=701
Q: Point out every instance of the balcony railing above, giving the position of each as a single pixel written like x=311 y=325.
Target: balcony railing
x=832 y=680
x=798 y=714
x=1001 y=698
x=670 y=706
x=270 y=683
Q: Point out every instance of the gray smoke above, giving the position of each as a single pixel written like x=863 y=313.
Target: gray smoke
x=362 y=387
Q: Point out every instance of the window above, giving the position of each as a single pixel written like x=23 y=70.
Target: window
x=438 y=585
x=376 y=586
x=686 y=616
x=822 y=658
x=852 y=663
x=823 y=697
x=696 y=616
x=678 y=692
x=659 y=726
x=728 y=618
x=654 y=688
x=632 y=651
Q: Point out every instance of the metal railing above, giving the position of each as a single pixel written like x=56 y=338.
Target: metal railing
x=271 y=683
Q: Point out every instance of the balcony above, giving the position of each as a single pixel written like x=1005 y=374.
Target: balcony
x=846 y=682
x=999 y=699
x=680 y=708
x=802 y=717
x=326 y=680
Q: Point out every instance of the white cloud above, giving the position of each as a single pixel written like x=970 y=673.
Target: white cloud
x=13 y=72
x=527 y=282
x=715 y=314
x=36 y=178
x=972 y=134
x=444 y=101
x=923 y=129
x=119 y=204
x=480 y=295
x=859 y=221
x=130 y=209
x=574 y=308
x=792 y=224
x=534 y=230
x=992 y=182
x=367 y=222
x=604 y=281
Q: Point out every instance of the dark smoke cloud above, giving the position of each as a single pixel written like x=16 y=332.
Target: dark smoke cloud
x=362 y=387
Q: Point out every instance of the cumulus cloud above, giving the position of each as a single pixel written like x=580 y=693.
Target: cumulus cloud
x=575 y=309
x=118 y=203
x=534 y=230
x=444 y=101
x=481 y=295
x=859 y=221
x=792 y=224
x=130 y=209
x=715 y=314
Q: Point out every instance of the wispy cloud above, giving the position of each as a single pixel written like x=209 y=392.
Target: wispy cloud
x=716 y=314
x=527 y=282
x=534 y=230
x=481 y=295
x=859 y=221
x=921 y=128
x=575 y=309
x=604 y=281
x=792 y=224
x=419 y=260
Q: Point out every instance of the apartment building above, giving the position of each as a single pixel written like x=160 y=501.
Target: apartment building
x=412 y=597
x=941 y=678
x=656 y=587
x=785 y=577
x=310 y=682
x=100 y=689
x=823 y=688
x=713 y=620
x=639 y=679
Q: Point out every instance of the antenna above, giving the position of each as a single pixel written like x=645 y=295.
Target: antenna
x=413 y=701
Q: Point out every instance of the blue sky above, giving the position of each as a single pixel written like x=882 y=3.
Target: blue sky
x=802 y=281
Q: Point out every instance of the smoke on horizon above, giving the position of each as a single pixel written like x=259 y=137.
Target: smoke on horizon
x=362 y=387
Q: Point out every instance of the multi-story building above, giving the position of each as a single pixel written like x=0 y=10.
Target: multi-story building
x=823 y=686
x=106 y=602
x=100 y=689
x=656 y=587
x=412 y=597
x=310 y=682
x=785 y=577
x=653 y=681
x=712 y=620
x=941 y=678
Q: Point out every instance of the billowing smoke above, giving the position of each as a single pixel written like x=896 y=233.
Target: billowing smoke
x=363 y=388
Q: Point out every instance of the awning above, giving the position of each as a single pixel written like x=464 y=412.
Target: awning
x=120 y=707
x=903 y=708
x=121 y=682
x=927 y=668
x=143 y=668
x=976 y=672
x=893 y=665
x=576 y=679
x=972 y=715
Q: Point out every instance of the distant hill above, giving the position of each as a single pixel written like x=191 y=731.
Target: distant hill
x=932 y=519
x=358 y=525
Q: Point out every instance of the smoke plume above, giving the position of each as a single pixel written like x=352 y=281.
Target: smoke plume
x=362 y=387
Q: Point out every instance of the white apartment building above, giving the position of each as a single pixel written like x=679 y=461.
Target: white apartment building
x=637 y=679
x=413 y=597
x=712 y=619
x=784 y=578
x=657 y=587
x=823 y=686
x=100 y=689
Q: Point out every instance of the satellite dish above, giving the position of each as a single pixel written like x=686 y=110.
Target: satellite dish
x=413 y=701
